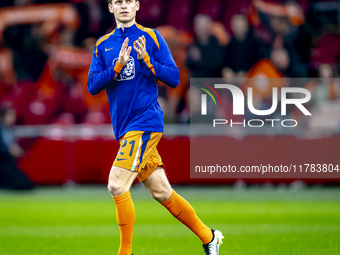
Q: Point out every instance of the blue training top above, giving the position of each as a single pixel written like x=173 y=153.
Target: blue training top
x=132 y=90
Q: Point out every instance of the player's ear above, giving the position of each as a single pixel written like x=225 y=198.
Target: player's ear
x=137 y=4
x=111 y=8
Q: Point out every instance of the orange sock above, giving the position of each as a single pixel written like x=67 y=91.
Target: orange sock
x=184 y=212
x=125 y=214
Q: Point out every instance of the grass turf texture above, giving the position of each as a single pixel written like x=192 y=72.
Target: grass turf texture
x=81 y=220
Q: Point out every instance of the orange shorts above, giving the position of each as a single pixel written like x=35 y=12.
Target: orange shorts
x=138 y=153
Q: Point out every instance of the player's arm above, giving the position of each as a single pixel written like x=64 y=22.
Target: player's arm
x=162 y=64
x=99 y=77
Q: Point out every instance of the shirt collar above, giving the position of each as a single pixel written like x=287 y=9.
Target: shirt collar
x=127 y=30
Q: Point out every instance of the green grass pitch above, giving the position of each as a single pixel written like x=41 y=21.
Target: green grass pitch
x=81 y=220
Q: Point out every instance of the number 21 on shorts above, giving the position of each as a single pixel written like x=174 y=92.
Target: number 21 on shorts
x=124 y=143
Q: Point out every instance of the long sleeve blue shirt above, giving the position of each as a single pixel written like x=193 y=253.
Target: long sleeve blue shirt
x=132 y=89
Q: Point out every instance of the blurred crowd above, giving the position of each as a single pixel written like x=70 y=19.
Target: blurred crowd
x=46 y=48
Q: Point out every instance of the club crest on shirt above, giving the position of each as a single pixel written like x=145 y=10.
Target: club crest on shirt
x=128 y=71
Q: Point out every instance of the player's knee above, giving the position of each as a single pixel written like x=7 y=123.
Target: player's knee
x=116 y=189
x=160 y=196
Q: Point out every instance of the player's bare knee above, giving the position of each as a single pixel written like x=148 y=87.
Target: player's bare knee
x=116 y=189
x=160 y=196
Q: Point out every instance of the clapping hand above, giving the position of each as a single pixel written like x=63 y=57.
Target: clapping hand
x=139 y=46
x=124 y=54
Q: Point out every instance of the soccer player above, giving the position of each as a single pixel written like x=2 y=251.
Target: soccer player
x=130 y=79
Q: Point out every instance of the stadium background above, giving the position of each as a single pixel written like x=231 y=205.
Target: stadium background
x=46 y=49
x=67 y=138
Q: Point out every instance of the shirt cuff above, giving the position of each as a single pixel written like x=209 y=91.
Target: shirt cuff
x=118 y=67
x=147 y=61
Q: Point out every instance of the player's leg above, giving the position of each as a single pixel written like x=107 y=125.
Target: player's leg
x=120 y=181
x=160 y=189
x=152 y=175
x=122 y=175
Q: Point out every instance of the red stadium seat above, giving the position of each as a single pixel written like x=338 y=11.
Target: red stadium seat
x=22 y=95
x=327 y=50
x=212 y=8
x=179 y=15
x=19 y=96
x=74 y=103
x=39 y=112
x=149 y=14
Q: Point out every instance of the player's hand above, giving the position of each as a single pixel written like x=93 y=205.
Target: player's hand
x=140 y=48
x=124 y=54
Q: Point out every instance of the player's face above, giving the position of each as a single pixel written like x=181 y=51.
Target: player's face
x=124 y=10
